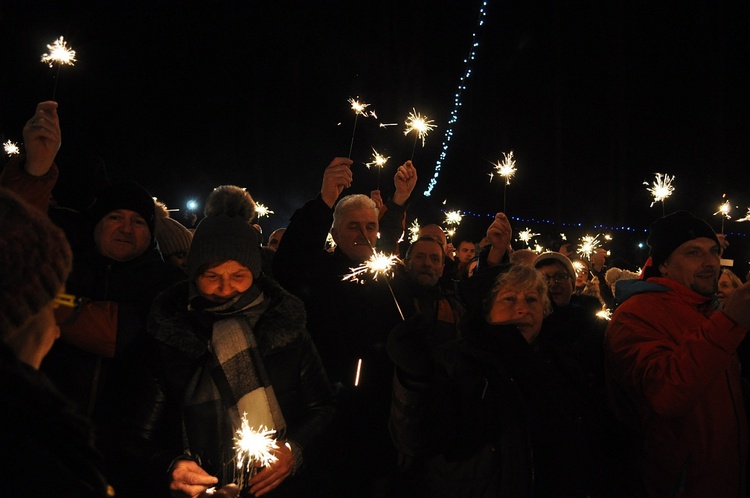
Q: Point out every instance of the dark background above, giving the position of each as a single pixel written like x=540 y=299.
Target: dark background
x=593 y=97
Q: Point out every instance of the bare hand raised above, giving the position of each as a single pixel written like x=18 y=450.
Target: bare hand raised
x=42 y=138
x=404 y=180
x=337 y=177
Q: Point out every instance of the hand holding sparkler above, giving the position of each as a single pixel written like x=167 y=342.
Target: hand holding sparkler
x=42 y=138
x=377 y=198
x=499 y=234
x=337 y=177
x=190 y=479
x=404 y=180
x=274 y=473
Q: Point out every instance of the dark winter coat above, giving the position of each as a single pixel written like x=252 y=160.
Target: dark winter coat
x=47 y=447
x=501 y=419
x=178 y=346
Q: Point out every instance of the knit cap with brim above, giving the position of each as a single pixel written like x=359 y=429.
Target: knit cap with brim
x=125 y=195
x=221 y=238
x=35 y=261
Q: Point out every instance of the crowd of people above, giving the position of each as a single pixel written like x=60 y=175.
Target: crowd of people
x=136 y=351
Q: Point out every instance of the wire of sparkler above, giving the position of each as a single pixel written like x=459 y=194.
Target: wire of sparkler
x=387 y=281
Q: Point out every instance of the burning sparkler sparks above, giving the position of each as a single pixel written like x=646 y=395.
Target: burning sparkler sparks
x=414 y=229
x=588 y=246
x=11 y=148
x=747 y=216
x=253 y=450
x=506 y=169
x=661 y=189
x=379 y=264
x=378 y=159
x=59 y=53
x=453 y=217
x=360 y=109
x=526 y=235
x=262 y=210
x=419 y=124
x=724 y=209
x=605 y=314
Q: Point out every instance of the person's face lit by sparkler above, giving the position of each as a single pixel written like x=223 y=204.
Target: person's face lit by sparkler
x=224 y=281
x=559 y=283
x=424 y=264
x=349 y=234
x=520 y=306
x=275 y=239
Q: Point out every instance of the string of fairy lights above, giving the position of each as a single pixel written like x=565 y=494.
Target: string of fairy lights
x=457 y=100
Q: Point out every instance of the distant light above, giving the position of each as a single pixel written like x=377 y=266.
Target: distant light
x=640 y=245
x=192 y=205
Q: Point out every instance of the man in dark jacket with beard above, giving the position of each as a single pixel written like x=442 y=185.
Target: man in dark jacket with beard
x=117 y=272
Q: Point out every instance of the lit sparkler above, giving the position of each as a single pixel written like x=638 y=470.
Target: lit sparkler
x=604 y=314
x=262 y=210
x=11 y=148
x=419 y=124
x=724 y=209
x=414 y=229
x=253 y=450
x=379 y=264
x=453 y=217
x=378 y=161
x=747 y=216
x=661 y=189
x=588 y=246
x=505 y=169
x=61 y=54
x=526 y=235
x=359 y=109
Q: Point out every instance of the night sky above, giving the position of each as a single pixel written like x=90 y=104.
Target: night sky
x=592 y=97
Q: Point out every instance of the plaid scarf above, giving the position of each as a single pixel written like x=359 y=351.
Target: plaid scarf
x=231 y=383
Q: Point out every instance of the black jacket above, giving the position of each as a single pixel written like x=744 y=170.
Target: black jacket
x=177 y=346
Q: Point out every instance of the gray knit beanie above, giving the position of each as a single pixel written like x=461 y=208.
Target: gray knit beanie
x=35 y=261
x=221 y=238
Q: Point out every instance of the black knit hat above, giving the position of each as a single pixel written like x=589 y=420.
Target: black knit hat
x=35 y=260
x=125 y=195
x=673 y=230
x=221 y=238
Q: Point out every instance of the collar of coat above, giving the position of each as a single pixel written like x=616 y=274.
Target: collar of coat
x=171 y=324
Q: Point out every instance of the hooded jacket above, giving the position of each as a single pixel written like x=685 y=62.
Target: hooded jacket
x=673 y=377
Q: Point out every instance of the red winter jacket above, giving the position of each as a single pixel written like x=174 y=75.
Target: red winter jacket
x=674 y=377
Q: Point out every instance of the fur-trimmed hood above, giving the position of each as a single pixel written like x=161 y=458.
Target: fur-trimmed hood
x=172 y=324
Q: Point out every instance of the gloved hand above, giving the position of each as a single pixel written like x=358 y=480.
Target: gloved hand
x=410 y=348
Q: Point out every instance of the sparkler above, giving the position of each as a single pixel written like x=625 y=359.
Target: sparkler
x=378 y=160
x=262 y=210
x=588 y=246
x=724 y=209
x=453 y=217
x=359 y=109
x=379 y=264
x=506 y=169
x=661 y=189
x=11 y=148
x=605 y=314
x=60 y=54
x=414 y=229
x=526 y=235
x=421 y=125
x=253 y=450
x=747 y=216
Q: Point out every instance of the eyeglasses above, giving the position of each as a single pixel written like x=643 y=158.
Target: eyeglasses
x=68 y=300
x=558 y=278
